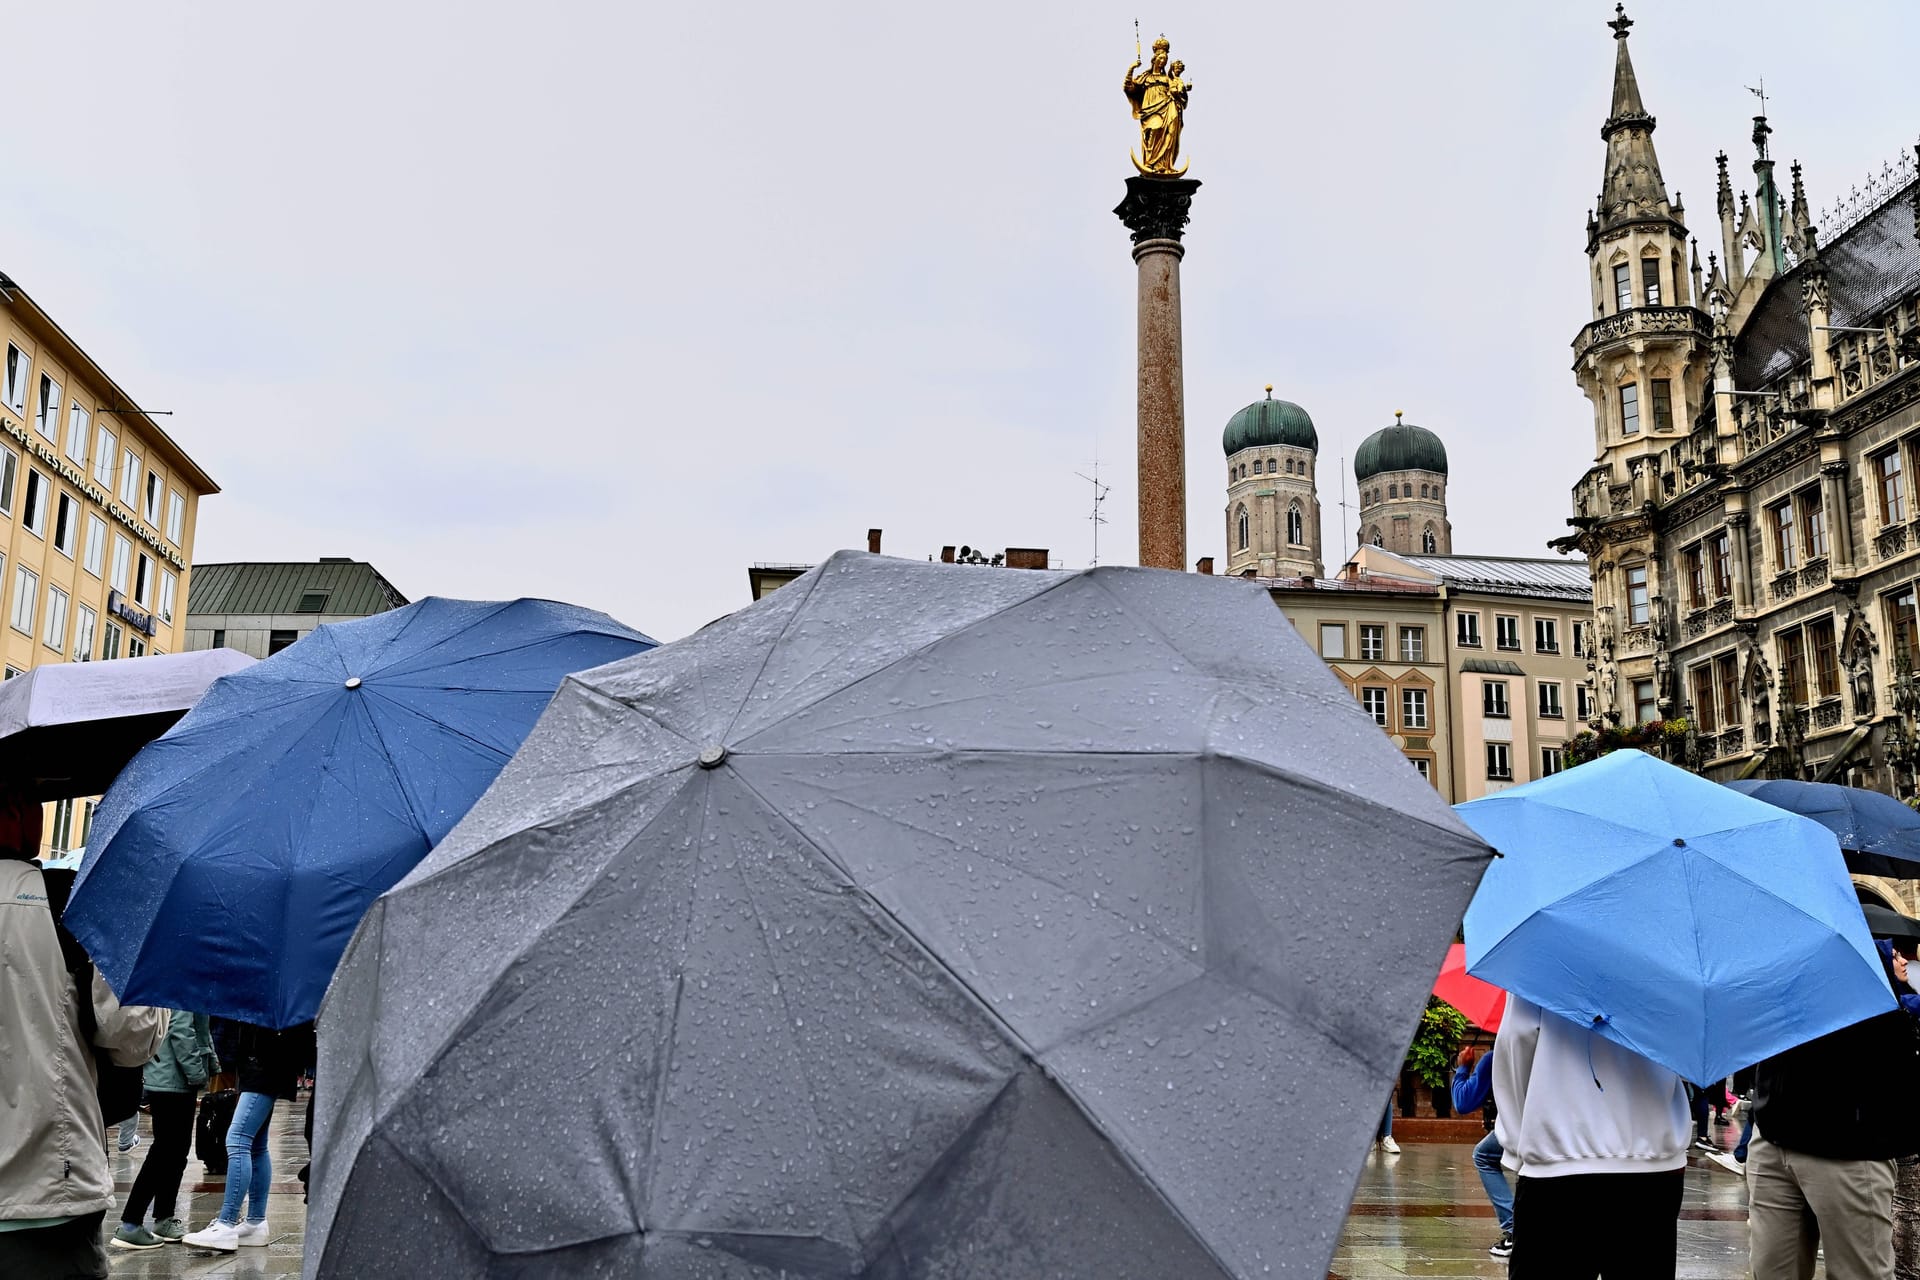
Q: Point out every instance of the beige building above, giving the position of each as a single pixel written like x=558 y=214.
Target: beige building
x=1749 y=516
x=98 y=507
x=1476 y=666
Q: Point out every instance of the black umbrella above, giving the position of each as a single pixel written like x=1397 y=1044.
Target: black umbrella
x=1884 y=922
x=920 y=920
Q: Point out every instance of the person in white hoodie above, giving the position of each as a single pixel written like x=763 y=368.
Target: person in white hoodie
x=1597 y=1136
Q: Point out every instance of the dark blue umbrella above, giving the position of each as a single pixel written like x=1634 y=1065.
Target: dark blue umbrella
x=1689 y=923
x=231 y=861
x=1879 y=836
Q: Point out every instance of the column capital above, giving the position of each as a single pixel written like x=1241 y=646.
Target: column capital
x=1156 y=208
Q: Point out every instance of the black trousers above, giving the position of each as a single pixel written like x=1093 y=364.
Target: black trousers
x=158 y=1182
x=1597 y=1226
x=70 y=1251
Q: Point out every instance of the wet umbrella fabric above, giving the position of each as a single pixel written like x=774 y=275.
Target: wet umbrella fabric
x=919 y=920
x=1483 y=1003
x=1879 y=836
x=68 y=728
x=230 y=862
x=1698 y=927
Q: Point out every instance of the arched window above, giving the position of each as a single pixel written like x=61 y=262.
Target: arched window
x=1376 y=539
x=1295 y=529
x=1273 y=466
x=1427 y=542
x=1289 y=466
x=1423 y=491
x=1393 y=491
x=1240 y=521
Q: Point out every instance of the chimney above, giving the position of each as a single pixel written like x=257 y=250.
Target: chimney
x=1026 y=557
x=1306 y=579
x=946 y=554
x=1205 y=566
x=873 y=542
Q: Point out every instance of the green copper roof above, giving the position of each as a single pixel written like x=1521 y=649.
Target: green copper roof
x=1269 y=422
x=1400 y=447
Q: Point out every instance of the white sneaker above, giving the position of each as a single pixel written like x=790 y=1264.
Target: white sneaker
x=255 y=1232
x=1727 y=1162
x=1388 y=1145
x=223 y=1236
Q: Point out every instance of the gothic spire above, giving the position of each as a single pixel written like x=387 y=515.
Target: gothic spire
x=1632 y=189
x=1626 y=89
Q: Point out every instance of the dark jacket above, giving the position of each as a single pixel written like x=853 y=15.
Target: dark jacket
x=1841 y=1096
x=270 y=1062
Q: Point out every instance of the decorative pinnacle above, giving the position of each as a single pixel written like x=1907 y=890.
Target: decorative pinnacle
x=1621 y=22
x=1396 y=416
x=1269 y=391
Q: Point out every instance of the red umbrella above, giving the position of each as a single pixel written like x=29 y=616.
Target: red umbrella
x=1482 y=1002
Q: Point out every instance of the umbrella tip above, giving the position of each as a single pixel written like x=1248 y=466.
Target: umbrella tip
x=712 y=756
x=353 y=682
x=1678 y=843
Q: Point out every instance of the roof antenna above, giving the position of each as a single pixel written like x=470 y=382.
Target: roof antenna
x=1099 y=496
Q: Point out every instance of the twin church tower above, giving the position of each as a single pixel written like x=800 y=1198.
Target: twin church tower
x=1273 y=502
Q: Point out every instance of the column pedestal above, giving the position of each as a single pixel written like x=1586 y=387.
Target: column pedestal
x=1155 y=211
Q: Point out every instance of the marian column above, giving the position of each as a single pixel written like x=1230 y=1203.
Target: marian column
x=1155 y=211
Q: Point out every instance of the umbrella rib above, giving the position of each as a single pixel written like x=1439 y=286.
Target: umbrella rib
x=392 y=642
x=424 y=718
x=884 y=667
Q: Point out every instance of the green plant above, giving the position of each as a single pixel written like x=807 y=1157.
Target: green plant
x=1665 y=738
x=1442 y=1027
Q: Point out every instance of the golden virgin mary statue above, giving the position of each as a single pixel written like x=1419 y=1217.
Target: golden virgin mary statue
x=1159 y=99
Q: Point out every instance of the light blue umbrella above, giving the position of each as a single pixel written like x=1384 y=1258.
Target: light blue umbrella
x=1696 y=926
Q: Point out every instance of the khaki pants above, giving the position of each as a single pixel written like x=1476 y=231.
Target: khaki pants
x=1797 y=1203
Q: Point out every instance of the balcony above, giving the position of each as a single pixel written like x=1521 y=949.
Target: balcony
x=1642 y=322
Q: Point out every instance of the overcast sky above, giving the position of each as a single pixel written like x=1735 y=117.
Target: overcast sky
x=606 y=302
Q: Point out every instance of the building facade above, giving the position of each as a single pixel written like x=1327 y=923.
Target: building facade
x=261 y=608
x=1476 y=666
x=1749 y=516
x=98 y=505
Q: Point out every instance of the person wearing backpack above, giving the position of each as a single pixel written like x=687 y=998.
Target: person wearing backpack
x=173 y=1081
x=55 y=1184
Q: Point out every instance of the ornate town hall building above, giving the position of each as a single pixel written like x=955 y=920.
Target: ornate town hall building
x=1750 y=517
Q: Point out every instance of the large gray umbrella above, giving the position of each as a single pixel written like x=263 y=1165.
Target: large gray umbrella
x=920 y=920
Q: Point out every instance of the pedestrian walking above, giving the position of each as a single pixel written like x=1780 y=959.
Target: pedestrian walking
x=1598 y=1137
x=173 y=1081
x=1472 y=1087
x=55 y=1011
x=1384 y=1138
x=1821 y=1167
x=270 y=1063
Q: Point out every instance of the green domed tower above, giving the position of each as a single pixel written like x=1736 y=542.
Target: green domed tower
x=1402 y=473
x=1273 y=507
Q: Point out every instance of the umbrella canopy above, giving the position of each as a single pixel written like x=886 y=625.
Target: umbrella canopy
x=1483 y=1003
x=918 y=920
x=67 y=728
x=1687 y=922
x=232 y=859
x=1878 y=835
x=1884 y=922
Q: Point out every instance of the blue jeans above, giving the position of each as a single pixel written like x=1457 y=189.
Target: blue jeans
x=1386 y=1123
x=249 y=1167
x=1486 y=1159
x=1746 y=1137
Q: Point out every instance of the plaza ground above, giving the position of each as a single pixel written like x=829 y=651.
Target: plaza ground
x=1420 y=1213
